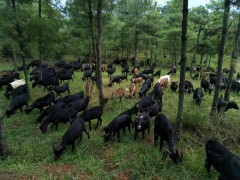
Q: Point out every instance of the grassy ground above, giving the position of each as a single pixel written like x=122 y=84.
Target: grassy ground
x=32 y=157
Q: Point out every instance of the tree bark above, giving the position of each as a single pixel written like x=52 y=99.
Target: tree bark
x=195 y=52
x=14 y=56
x=122 y=45
x=233 y=61
x=3 y=143
x=40 y=39
x=182 y=69
x=99 y=53
x=21 y=44
x=220 y=56
x=90 y=16
x=135 y=40
x=202 y=55
x=14 y=50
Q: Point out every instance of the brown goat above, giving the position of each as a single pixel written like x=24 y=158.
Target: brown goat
x=135 y=71
x=137 y=80
x=132 y=90
x=89 y=88
x=119 y=94
x=5 y=73
x=203 y=74
x=104 y=67
x=164 y=83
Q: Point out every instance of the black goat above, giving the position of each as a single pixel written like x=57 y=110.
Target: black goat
x=157 y=92
x=142 y=123
x=223 y=160
x=174 y=86
x=63 y=115
x=213 y=78
x=144 y=103
x=60 y=89
x=206 y=85
x=197 y=96
x=114 y=79
x=17 y=103
x=74 y=131
x=123 y=77
x=164 y=129
x=155 y=109
x=79 y=105
x=40 y=103
x=238 y=75
x=71 y=98
x=46 y=81
x=5 y=81
x=223 y=106
x=93 y=113
x=65 y=76
x=147 y=71
x=17 y=91
x=87 y=74
x=143 y=91
x=111 y=70
x=188 y=86
x=173 y=71
x=157 y=73
x=120 y=122
x=49 y=110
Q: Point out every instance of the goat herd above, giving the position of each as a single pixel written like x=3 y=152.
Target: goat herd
x=54 y=110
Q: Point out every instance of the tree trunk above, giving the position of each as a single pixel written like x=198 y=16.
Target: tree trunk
x=21 y=44
x=122 y=45
x=147 y=44
x=209 y=61
x=206 y=60
x=135 y=40
x=220 y=56
x=182 y=69
x=233 y=61
x=99 y=56
x=135 y=46
x=3 y=143
x=197 y=45
x=90 y=16
x=14 y=56
x=40 y=39
x=202 y=55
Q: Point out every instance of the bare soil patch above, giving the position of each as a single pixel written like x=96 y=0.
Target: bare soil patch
x=60 y=171
x=12 y=175
x=125 y=175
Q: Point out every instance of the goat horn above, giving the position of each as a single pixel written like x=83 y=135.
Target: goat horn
x=169 y=152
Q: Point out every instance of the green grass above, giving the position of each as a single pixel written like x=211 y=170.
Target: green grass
x=31 y=154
